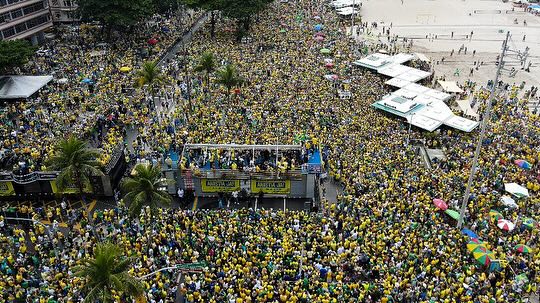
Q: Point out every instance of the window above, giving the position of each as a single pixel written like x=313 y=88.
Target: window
x=8 y=32
x=19 y=28
x=33 y=8
x=5 y=17
x=16 y=13
x=68 y=3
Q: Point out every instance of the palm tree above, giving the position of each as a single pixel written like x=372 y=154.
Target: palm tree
x=150 y=74
x=145 y=188
x=228 y=77
x=76 y=163
x=106 y=273
x=207 y=63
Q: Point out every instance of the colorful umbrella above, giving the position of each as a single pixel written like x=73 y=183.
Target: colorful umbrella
x=452 y=213
x=505 y=225
x=495 y=266
x=152 y=41
x=524 y=249
x=325 y=51
x=522 y=277
x=469 y=233
x=318 y=27
x=495 y=215
x=319 y=38
x=483 y=257
x=523 y=164
x=283 y=30
x=440 y=204
x=529 y=223
x=329 y=64
x=319 y=34
x=125 y=69
x=472 y=245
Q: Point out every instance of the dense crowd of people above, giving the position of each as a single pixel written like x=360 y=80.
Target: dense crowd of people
x=383 y=241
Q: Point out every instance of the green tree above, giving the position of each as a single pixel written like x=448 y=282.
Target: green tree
x=114 y=13
x=145 y=188
x=229 y=77
x=163 y=6
x=207 y=63
x=150 y=75
x=209 y=6
x=14 y=53
x=243 y=11
x=76 y=163
x=106 y=272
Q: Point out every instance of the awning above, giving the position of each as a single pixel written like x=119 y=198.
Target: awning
x=21 y=87
x=422 y=57
x=466 y=108
x=450 y=86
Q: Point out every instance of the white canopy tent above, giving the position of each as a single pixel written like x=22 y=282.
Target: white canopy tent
x=347 y=11
x=422 y=106
x=396 y=82
x=21 y=87
x=450 y=86
x=465 y=106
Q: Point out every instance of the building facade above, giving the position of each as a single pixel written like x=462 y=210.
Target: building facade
x=24 y=19
x=63 y=11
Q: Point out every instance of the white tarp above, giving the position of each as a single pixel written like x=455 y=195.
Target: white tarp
x=21 y=87
x=394 y=70
x=450 y=86
x=507 y=201
x=396 y=82
x=516 y=190
x=346 y=11
x=423 y=122
x=465 y=106
x=461 y=123
x=373 y=61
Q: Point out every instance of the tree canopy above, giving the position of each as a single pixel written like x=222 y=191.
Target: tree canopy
x=115 y=13
x=14 y=53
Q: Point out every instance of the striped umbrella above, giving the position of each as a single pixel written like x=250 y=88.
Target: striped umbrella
x=529 y=223
x=505 y=225
x=524 y=249
x=483 y=257
x=495 y=215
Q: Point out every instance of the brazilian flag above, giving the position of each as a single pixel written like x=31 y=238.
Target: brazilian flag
x=301 y=138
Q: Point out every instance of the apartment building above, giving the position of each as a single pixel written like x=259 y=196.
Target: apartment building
x=24 y=19
x=63 y=11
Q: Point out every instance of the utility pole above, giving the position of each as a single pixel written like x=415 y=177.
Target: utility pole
x=352 y=18
x=485 y=121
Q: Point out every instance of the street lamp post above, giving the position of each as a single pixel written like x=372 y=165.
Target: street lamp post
x=409 y=131
x=485 y=120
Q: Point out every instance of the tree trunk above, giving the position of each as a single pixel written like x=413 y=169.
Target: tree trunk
x=247 y=22
x=212 y=25
x=80 y=187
